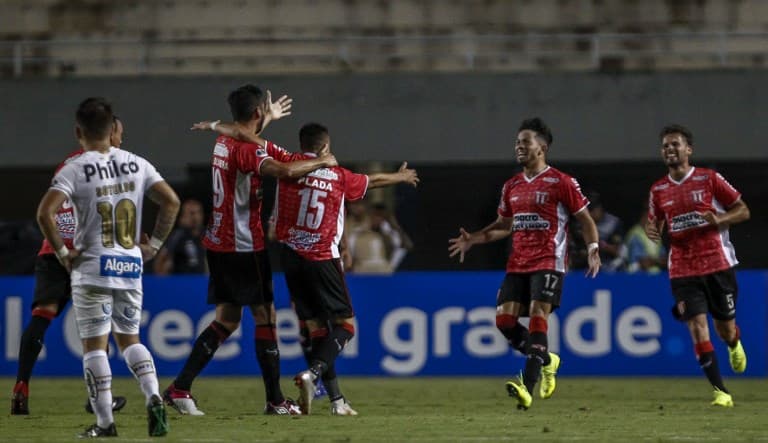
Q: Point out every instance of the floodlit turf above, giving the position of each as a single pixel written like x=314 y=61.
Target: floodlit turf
x=420 y=409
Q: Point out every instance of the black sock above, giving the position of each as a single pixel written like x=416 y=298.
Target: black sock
x=202 y=352
x=517 y=337
x=331 y=383
x=306 y=343
x=331 y=346
x=537 y=356
x=708 y=363
x=30 y=346
x=268 y=356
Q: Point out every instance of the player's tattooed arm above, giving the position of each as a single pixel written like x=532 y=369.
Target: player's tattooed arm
x=591 y=239
x=298 y=168
x=501 y=228
x=272 y=110
x=736 y=213
x=403 y=175
x=164 y=196
x=46 y=219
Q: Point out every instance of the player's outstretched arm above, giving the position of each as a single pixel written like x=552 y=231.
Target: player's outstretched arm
x=298 y=168
x=403 y=175
x=164 y=196
x=591 y=239
x=501 y=228
x=46 y=219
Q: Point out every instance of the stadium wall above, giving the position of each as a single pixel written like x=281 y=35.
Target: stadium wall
x=419 y=117
x=420 y=324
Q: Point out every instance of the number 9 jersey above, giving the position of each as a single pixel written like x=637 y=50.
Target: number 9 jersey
x=107 y=192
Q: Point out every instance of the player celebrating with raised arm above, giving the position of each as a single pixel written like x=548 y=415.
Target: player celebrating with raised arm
x=534 y=208
x=52 y=293
x=697 y=206
x=107 y=186
x=240 y=273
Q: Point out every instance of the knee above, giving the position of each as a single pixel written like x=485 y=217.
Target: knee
x=263 y=314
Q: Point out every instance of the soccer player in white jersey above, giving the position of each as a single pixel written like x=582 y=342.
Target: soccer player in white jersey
x=106 y=186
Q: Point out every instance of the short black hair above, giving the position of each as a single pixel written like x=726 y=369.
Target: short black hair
x=312 y=136
x=538 y=126
x=244 y=101
x=677 y=129
x=94 y=117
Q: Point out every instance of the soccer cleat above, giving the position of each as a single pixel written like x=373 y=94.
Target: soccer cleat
x=305 y=382
x=156 y=418
x=738 y=358
x=118 y=403
x=287 y=407
x=320 y=390
x=341 y=407
x=516 y=388
x=20 y=399
x=94 y=431
x=722 y=399
x=548 y=373
x=182 y=401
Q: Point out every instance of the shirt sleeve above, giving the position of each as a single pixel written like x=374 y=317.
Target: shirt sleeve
x=355 y=185
x=281 y=154
x=151 y=176
x=250 y=157
x=573 y=198
x=64 y=180
x=504 y=210
x=723 y=191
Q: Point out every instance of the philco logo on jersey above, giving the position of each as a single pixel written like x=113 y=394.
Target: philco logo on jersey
x=686 y=221
x=112 y=169
x=120 y=266
x=529 y=221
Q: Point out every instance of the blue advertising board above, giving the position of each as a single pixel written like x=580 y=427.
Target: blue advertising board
x=425 y=323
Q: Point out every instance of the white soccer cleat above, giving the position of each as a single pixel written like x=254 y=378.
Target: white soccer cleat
x=182 y=401
x=341 y=407
x=305 y=382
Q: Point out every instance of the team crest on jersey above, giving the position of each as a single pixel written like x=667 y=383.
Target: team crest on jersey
x=130 y=311
x=541 y=197
x=120 y=266
x=697 y=195
x=106 y=308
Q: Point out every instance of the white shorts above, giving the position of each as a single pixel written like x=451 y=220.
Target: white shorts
x=98 y=310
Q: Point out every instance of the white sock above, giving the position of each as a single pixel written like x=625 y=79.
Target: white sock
x=140 y=362
x=98 y=379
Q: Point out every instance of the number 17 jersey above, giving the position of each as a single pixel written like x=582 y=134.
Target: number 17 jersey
x=107 y=192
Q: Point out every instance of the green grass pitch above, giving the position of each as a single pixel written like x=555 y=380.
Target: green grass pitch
x=419 y=410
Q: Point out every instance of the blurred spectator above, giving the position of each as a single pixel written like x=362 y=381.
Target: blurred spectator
x=377 y=243
x=643 y=254
x=183 y=253
x=611 y=232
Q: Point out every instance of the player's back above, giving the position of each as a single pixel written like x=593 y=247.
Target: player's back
x=107 y=193
x=235 y=222
x=310 y=210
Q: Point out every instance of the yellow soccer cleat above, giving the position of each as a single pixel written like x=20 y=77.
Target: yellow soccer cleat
x=738 y=358
x=722 y=399
x=548 y=373
x=516 y=388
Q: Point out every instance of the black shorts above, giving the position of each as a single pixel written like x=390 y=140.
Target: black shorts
x=544 y=286
x=240 y=278
x=317 y=288
x=52 y=284
x=715 y=293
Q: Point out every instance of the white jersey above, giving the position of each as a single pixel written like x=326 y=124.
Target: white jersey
x=107 y=191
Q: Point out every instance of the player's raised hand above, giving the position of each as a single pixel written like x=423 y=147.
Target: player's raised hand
x=459 y=245
x=279 y=108
x=410 y=176
x=205 y=125
x=593 y=260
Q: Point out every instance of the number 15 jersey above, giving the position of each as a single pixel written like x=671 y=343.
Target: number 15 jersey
x=310 y=210
x=107 y=192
